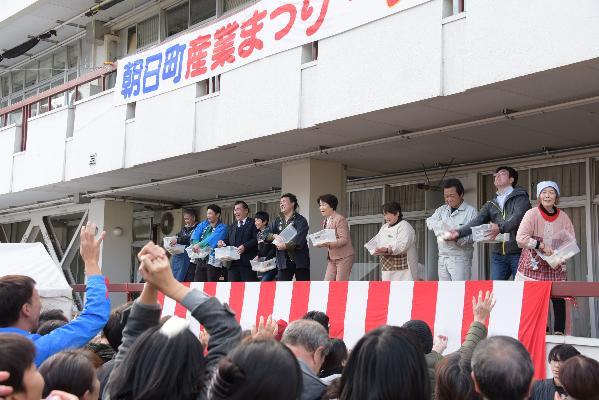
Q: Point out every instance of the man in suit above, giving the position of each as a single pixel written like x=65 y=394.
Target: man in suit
x=243 y=235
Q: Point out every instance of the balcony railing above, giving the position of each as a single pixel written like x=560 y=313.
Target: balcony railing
x=67 y=94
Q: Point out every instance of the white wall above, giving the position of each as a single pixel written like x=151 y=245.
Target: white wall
x=10 y=8
x=393 y=61
x=167 y=120
x=43 y=161
x=8 y=138
x=259 y=99
x=99 y=128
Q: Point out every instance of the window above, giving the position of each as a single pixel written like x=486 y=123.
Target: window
x=571 y=179
x=208 y=86
x=231 y=4
x=410 y=198
x=310 y=52
x=59 y=65
x=201 y=10
x=365 y=266
x=30 y=74
x=177 y=19
x=147 y=32
x=73 y=55
x=45 y=68
x=453 y=7
x=18 y=80
x=365 y=202
x=4 y=86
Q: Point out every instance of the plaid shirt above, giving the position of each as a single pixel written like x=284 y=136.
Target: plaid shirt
x=544 y=271
x=394 y=262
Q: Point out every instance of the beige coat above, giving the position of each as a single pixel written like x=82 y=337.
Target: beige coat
x=342 y=247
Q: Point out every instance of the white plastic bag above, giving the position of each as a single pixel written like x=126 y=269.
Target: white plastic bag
x=262 y=265
x=566 y=250
x=481 y=233
x=201 y=253
x=227 y=253
x=287 y=234
x=322 y=237
x=174 y=249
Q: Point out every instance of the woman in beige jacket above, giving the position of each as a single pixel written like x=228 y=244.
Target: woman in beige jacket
x=341 y=252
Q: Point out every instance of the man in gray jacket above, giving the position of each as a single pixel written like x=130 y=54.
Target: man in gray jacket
x=504 y=212
x=309 y=342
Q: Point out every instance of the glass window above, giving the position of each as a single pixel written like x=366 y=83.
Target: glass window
x=365 y=202
x=571 y=179
x=89 y=89
x=4 y=87
x=60 y=62
x=177 y=19
x=3 y=103
x=31 y=74
x=231 y=4
x=57 y=100
x=45 y=68
x=73 y=55
x=15 y=117
x=202 y=10
x=410 y=198
x=147 y=32
x=365 y=266
x=18 y=81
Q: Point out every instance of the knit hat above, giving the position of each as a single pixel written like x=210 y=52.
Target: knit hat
x=544 y=185
x=423 y=332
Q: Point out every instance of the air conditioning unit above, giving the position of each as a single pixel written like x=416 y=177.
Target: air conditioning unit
x=169 y=223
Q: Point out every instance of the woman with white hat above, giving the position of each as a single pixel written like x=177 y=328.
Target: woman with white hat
x=541 y=231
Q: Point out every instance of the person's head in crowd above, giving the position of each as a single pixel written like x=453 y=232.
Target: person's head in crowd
x=189 y=217
x=99 y=353
x=453 y=192
x=49 y=326
x=327 y=204
x=246 y=373
x=335 y=360
x=113 y=330
x=71 y=371
x=165 y=362
x=241 y=210
x=392 y=212
x=319 y=317
x=423 y=332
x=580 y=378
x=52 y=315
x=20 y=303
x=213 y=213
x=16 y=357
x=387 y=361
x=502 y=369
x=288 y=204
x=309 y=342
x=453 y=380
x=261 y=219
x=557 y=356
x=504 y=177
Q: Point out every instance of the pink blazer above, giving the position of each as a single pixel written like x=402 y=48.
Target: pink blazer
x=342 y=247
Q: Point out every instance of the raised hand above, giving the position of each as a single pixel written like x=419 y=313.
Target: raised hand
x=265 y=330
x=440 y=343
x=89 y=248
x=5 y=390
x=481 y=308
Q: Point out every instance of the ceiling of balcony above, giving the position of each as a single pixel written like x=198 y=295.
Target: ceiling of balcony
x=563 y=129
x=42 y=15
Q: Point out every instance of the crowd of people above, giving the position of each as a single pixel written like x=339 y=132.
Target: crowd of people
x=133 y=353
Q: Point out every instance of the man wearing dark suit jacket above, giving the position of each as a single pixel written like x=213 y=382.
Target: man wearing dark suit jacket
x=243 y=235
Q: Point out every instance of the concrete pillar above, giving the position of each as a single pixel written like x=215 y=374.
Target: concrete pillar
x=115 y=258
x=308 y=179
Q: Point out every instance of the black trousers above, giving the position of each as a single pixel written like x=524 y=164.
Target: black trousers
x=559 y=315
x=205 y=272
x=241 y=273
x=301 y=274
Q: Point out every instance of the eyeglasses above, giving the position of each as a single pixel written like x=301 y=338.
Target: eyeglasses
x=501 y=172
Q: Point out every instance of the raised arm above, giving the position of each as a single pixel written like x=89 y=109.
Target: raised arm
x=97 y=305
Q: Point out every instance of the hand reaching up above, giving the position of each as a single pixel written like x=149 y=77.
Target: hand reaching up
x=264 y=330
x=440 y=343
x=481 y=308
x=156 y=271
x=89 y=248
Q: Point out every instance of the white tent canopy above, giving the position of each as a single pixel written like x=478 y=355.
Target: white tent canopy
x=32 y=259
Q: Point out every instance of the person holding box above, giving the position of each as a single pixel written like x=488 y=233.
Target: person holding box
x=396 y=246
x=340 y=258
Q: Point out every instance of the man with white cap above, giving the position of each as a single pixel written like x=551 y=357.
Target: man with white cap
x=504 y=213
x=542 y=230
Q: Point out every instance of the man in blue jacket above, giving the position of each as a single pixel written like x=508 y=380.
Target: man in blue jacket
x=20 y=305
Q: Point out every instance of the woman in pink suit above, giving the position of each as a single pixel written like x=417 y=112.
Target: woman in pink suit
x=341 y=252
